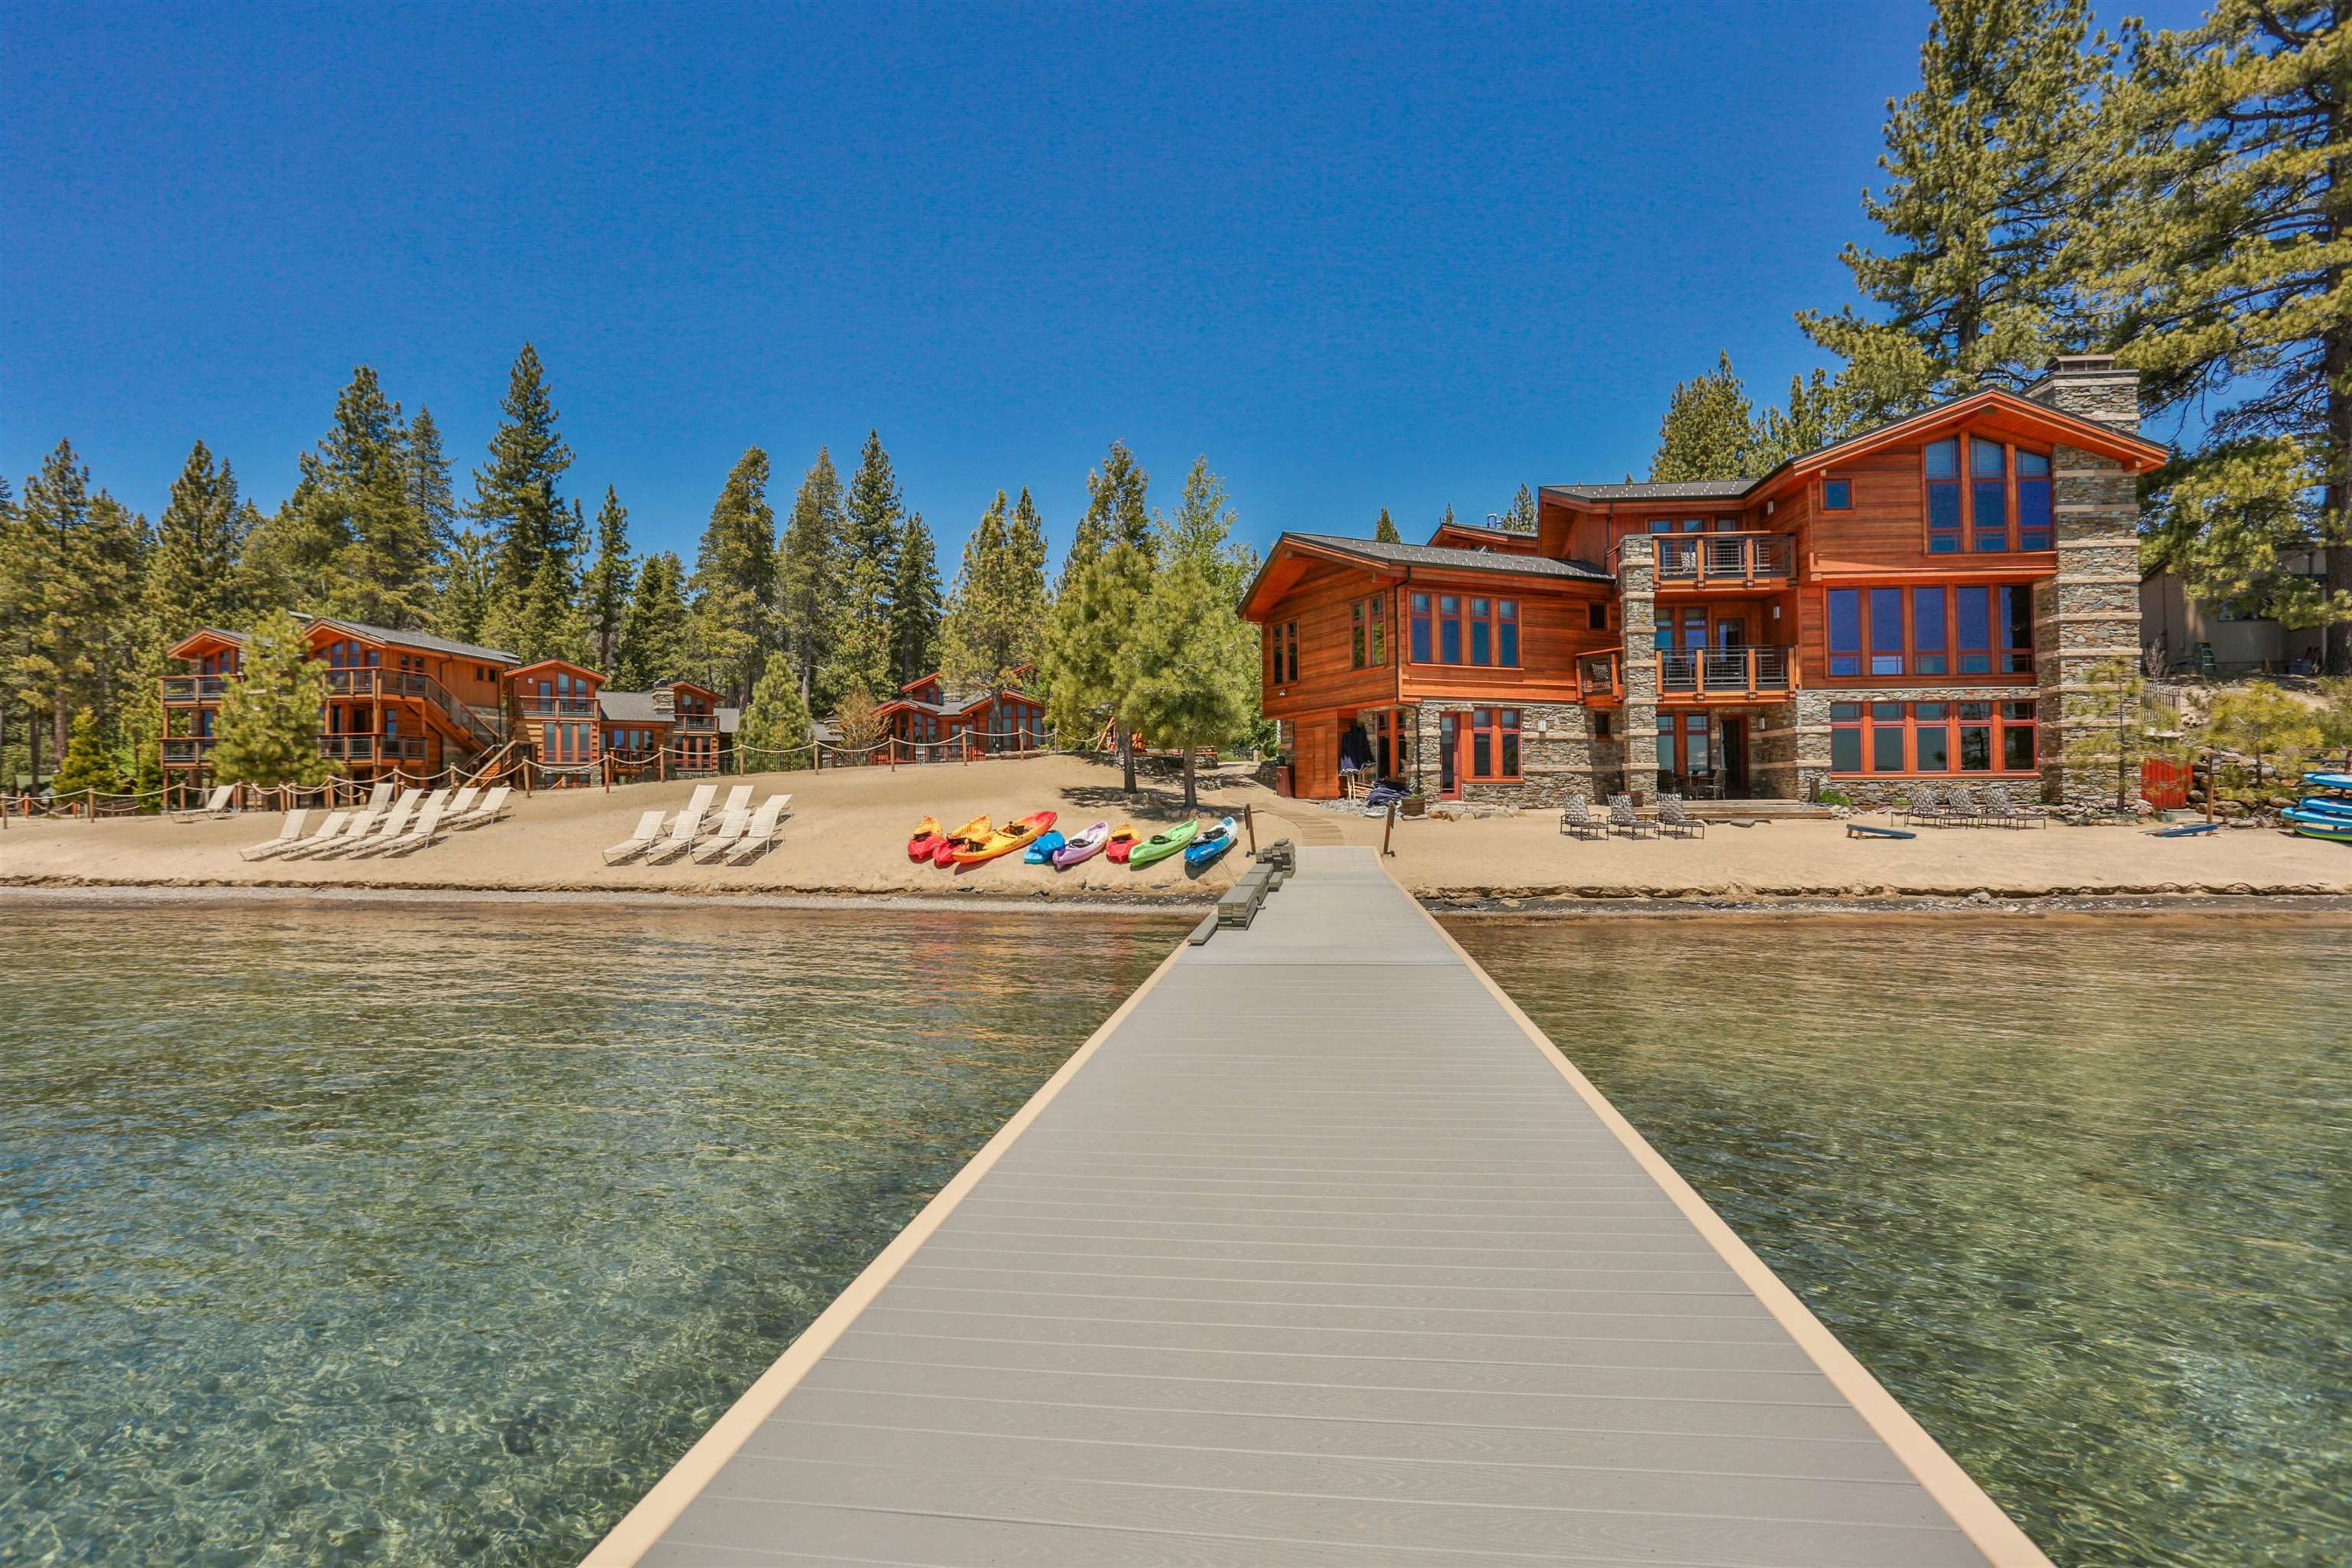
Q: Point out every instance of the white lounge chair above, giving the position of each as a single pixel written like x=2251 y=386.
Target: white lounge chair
x=760 y=836
x=392 y=833
x=648 y=830
x=366 y=832
x=329 y=831
x=698 y=808
x=677 y=841
x=289 y=834
x=462 y=802
x=493 y=807
x=431 y=824
x=215 y=805
x=738 y=798
x=730 y=831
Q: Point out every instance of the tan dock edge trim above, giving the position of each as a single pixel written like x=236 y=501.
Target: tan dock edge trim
x=1980 y=1518
x=643 y=1525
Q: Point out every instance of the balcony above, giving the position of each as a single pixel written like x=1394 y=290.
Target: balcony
x=193 y=691
x=356 y=680
x=1600 y=678
x=695 y=723
x=558 y=707
x=187 y=751
x=1727 y=673
x=1724 y=559
x=372 y=748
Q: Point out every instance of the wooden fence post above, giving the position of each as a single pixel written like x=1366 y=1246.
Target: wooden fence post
x=1388 y=829
x=1249 y=821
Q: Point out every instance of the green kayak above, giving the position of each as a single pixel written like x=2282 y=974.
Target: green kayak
x=1160 y=846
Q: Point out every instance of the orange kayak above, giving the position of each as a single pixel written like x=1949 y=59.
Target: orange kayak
x=926 y=841
x=1122 y=843
x=971 y=833
x=1007 y=839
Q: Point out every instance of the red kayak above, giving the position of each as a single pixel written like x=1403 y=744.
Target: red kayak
x=926 y=841
x=1123 y=844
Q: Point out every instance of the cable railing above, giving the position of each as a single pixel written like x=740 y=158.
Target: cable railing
x=1706 y=559
x=1726 y=671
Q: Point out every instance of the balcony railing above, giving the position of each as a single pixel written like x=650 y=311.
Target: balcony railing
x=1725 y=559
x=356 y=680
x=182 y=689
x=695 y=723
x=1600 y=676
x=1726 y=671
x=186 y=751
x=558 y=707
x=373 y=748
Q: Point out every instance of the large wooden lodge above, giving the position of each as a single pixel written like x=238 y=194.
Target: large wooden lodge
x=1921 y=601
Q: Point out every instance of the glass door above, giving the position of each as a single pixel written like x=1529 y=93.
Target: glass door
x=1449 y=752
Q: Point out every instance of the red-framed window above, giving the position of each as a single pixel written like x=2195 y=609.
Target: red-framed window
x=1933 y=738
x=1985 y=496
x=1466 y=628
x=1931 y=629
x=1281 y=653
x=1367 y=633
x=1494 y=742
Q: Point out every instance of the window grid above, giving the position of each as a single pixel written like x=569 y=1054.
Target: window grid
x=1933 y=738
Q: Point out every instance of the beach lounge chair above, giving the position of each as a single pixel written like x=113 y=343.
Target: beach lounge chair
x=1929 y=808
x=289 y=834
x=215 y=805
x=732 y=824
x=365 y=832
x=1965 y=808
x=697 y=808
x=431 y=824
x=492 y=807
x=461 y=803
x=640 y=839
x=1625 y=819
x=337 y=827
x=2002 y=812
x=1577 y=821
x=738 y=798
x=1676 y=823
x=678 y=841
x=405 y=810
x=760 y=836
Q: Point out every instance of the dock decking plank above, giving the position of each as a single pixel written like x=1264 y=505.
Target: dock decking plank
x=1317 y=1256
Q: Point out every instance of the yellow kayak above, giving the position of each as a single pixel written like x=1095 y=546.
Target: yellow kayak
x=976 y=831
x=1007 y=839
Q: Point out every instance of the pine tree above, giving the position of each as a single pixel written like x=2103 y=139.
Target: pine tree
x=1448 y=520
x=1188 y=672
x=69 y=587
x=2272 y=727
x=1521 y=518
x=1116 y=510
x=654 y=635
x=808 y=572
x=360 y=501
x=1812 y=419
x=197 y=577
x=604 y=592
x=89 y=764
x=2224 y=245
x=547 y=623
x=1708 y=430
x=1202 y=527
x=430 y=496
x=776 y=723
x=514 y=494
x=466 y=585
x=2114 y=726
x=735 y=580
x=914 y=608
x=874 y=513
x=1985 y=176
x=1385 y=530
x=983 y=637
x=269 y=724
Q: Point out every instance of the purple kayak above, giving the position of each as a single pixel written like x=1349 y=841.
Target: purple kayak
x=1089 y=843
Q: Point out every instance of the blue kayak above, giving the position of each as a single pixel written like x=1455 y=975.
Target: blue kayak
x=2329 y=781
x=2320 y=825
x=1041 y=853
x=1212 y=843
x=2327 y=806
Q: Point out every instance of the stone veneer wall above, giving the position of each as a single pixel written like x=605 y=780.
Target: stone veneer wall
x=1557 y=755
x=1637 y=609
x=1809 y=741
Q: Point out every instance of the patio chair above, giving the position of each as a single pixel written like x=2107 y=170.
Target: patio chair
x=2003 y=812
x=697 y=807
x=216 y=804
x=1576 y=819
x=462 y=802
x=760 y=836
x=732 y=827
x=492 y=807
x=646 y=832
x=1966 y=810
x=398 y=827
x=1676 y=823
x=366 y=832
x=738 y=798
x=1625 y=819
x=678 y=841
x=338 y=829
x=430 y=826
x=289 y=834
x=1929 y=808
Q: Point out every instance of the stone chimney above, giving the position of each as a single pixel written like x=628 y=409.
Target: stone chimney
x=2091 y=386
x=665 y=698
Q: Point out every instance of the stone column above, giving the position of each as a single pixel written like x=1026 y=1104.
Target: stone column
x=1637 y=605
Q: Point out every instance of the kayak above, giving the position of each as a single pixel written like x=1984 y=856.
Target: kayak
x=1212 y=843
x=2320 y=825
x=1160 y=846
x=1007 y=839
x=2327 y=806
x=1120 y=844
x=926 y=841
x=976 y=831
x=1042 y=852
x=2329 y=781
x=1083 y=846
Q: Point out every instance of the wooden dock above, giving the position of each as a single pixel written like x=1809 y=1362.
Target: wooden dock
x=1318 y=1255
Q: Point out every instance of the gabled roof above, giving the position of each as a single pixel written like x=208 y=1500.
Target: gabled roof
x=366 y=633
x=632 y=708
x=1666 y=489
x=564 y=665
x=1446 y=556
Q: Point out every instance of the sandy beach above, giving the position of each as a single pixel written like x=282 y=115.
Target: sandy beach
x=847 y=830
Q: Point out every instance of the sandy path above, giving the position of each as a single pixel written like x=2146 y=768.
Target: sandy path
x=848 y=828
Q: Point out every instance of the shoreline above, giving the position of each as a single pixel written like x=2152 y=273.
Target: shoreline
x=2143 y=903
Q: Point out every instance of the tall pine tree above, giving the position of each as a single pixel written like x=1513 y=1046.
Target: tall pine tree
x=654 y=635
x=1521 y=518
x=996 y=618
x=874 y=514
x=269 y=729
x=915 y=607
x=1117 y=509
x=1385 y=529
x=351 y=539
x=604 y=592
x=515 y=494
x=735 y=580
x=69 y=586
x=808 y=574
x=1707 y=431
x=197 y=577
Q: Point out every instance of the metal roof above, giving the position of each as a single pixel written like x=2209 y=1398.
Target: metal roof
x=1446 y=556
x=424 y=640
x=1671 y=489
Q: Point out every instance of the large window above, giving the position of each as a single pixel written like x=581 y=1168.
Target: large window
x=1973 y=629
x=1932 y=738
x=2003 y=505
x=1281 y=653
x=1368 y=632
x=1494 y=742
x=1463 y=628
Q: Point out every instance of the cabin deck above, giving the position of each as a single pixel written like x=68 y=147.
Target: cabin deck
x=1318 y=1255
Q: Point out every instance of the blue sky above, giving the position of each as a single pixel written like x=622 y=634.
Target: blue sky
x=1359 y=255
